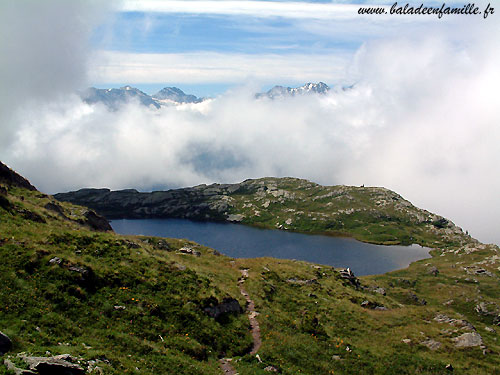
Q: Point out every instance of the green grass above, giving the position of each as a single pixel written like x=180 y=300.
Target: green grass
x=317 y=327
x=303 y=326
x=48 y=305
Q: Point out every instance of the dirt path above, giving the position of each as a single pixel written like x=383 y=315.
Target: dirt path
x=225 y=363
x=254 y=324
x=227 y=367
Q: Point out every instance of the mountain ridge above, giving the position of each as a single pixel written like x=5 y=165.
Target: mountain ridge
x=113 y=98
x=280 y=92
x=369 y=214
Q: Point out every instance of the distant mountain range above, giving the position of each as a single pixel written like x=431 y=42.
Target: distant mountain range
x=175 y=95
x=114 y=98
x=283 y=92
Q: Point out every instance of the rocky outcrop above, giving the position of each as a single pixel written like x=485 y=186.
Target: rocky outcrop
x=5 y=343
x=83 y=276
x=228 y=305
x=200 y=202
x=433 y=271
x=189 y=251
x=16 y=370
x=58 y=365
x=11 y=178
x=96 y=222
x=372 y=305
x=5 y=203
x=415 y=299
x=54 y=207
x=431 y=344
x=348 y=275
x=461 y=323
x=297 y=281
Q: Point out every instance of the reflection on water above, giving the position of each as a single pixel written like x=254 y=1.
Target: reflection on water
x=239 y=241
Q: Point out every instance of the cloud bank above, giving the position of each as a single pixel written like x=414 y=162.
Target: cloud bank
x=214 y=67
x=44 y=53
x=422 y=120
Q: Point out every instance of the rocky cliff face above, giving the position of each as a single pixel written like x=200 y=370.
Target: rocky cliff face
x=200 y=202
x=9 y=177
x=370 y=214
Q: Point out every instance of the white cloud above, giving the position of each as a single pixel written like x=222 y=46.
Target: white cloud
x=422 y=120
x=414 y=123
x=213 y=67
x=44 y=51
x=246 y=8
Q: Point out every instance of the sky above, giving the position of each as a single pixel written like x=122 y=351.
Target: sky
x=421 y=117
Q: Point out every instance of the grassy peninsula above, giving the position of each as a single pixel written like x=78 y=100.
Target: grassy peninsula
x=369 y=214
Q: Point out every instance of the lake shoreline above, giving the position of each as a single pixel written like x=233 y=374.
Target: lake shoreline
x=247 y=241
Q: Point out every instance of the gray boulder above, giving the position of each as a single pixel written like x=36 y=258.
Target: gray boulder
x=188 y=250
x=380 y=290
x=468 y=339
x=5 y=343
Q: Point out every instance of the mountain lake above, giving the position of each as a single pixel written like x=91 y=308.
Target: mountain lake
x=241 y=241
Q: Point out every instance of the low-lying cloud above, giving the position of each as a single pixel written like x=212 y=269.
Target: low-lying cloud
x=422 y=119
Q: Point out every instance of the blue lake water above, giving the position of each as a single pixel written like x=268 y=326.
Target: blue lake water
x=240 y=241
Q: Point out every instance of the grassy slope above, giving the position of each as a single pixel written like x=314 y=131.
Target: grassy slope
x=303 y=326
x=160 y=299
